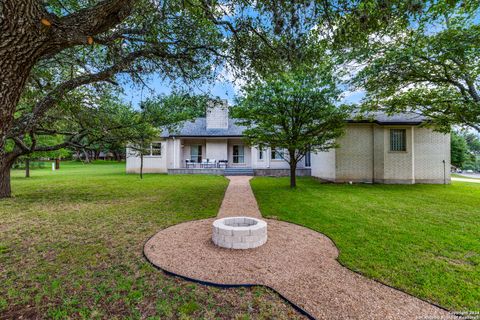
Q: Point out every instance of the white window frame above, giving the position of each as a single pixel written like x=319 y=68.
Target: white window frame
x=155 y=149
x=278 y=151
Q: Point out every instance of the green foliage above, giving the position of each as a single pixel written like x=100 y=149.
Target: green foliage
x=294 y=110
x=465 y=150
x=458 y=149
x=431 y=67
x=164 y=112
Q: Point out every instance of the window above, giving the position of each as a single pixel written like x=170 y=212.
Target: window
x=260 y=154
x=398 y=140
x=196 y=153
x=308 y=159
x=156 y=149
x=238 y=154
x=277 y=154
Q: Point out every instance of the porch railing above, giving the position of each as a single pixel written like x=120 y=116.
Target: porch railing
x=206 y=163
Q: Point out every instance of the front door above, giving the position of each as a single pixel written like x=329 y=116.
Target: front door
x=196 y=153
x=238 y=154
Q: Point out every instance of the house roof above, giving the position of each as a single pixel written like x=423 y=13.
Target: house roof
x=382 y=118
x=198 y=127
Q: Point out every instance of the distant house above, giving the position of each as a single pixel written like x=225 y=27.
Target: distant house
x=381 y=149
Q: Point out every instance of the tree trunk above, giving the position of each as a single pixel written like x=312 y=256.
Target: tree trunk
x=27 y=168
x=87 y=157
x=57 y=164
x=293 y=174
x=5 y=188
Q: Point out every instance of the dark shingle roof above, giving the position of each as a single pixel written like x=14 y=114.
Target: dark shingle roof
x=198 y=127
x=407 y=118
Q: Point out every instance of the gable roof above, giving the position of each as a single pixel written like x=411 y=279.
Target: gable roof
x=198 y=127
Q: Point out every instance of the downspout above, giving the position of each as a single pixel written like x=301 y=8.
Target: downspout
x=413 y=153
x=373 y=153
x=268 y=155
x=174 y=153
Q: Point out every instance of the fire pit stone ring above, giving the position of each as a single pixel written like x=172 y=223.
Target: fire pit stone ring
x=239 y=232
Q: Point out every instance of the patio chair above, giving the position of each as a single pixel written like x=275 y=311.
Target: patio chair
x=222 y=163
x=189 y=163
x=212 y=163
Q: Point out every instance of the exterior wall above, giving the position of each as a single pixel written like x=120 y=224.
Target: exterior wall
x=217 y=115
x=399 y=165
x=364 y=156
x=217 y=149
x=256 y=162
x=354 y=157
x=151 y=164
x=323 y=165
x=431 y=149
x=379 y=152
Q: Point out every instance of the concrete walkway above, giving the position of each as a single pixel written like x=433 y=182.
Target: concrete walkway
x=465 y=180
x=298 y=263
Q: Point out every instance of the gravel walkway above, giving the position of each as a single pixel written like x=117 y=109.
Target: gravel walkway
x=297 y=262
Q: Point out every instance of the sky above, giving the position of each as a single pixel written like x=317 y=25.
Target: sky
x=222 y=88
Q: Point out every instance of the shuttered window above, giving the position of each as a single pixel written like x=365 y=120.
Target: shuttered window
x=398 y=140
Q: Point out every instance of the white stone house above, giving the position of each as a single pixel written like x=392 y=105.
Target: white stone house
x=382 y=149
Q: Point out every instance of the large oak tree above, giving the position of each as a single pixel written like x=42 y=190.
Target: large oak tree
x=51 y=49
x=431 y=67
x=52 y=52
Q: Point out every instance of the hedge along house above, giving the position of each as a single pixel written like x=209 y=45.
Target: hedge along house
x=382 y=149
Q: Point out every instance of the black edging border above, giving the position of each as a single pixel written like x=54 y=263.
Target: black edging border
x=221 y=285
x=296 y=307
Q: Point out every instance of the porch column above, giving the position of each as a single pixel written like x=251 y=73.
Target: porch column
x=177 y=152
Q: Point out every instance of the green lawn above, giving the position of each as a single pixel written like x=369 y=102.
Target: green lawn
x=423 y=239
x=71 y=247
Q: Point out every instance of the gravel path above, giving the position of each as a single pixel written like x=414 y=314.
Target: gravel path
x=297 y=262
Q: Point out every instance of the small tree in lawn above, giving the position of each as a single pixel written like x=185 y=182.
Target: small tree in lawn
x=156 y=114
x=295 y=110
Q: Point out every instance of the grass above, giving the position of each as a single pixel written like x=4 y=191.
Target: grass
x=71 y=247
x=423 y=239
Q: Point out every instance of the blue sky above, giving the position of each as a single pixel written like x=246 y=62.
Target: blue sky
x=221 y=88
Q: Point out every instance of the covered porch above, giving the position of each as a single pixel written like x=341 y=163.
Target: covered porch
x=212 y=154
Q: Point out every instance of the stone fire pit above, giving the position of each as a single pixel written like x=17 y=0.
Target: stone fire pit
x=239 y=232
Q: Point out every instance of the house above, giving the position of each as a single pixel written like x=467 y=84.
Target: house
x=380 y=149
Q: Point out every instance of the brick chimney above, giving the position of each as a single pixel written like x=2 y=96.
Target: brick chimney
x=217 y=114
